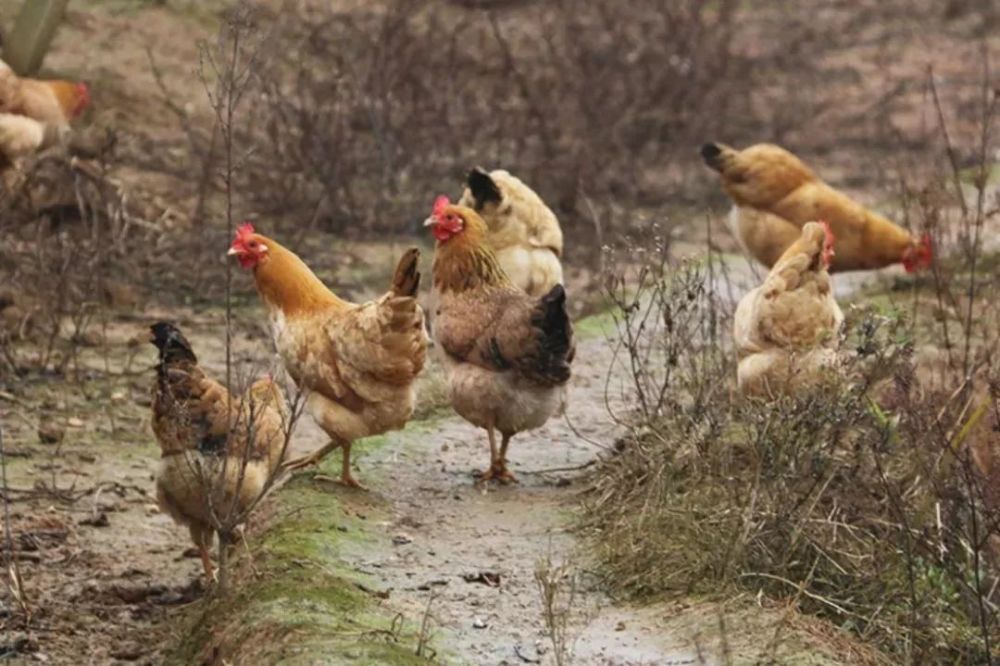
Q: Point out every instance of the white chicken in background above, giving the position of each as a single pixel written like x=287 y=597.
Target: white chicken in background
x=523 y=232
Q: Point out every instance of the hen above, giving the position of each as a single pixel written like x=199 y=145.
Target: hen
x=34 y=113
x=357 y=362
x=523 y=232
x=507 y=354
x=775 y=193
x=218 y=451
x=787 y=329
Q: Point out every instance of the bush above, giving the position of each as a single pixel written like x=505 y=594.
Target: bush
x=858 y=500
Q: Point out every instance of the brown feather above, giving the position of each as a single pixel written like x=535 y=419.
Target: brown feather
x=771 y=187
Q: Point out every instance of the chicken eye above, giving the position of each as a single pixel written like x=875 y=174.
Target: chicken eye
x=252 y=244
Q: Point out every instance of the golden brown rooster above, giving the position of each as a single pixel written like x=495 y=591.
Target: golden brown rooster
x=357 y=362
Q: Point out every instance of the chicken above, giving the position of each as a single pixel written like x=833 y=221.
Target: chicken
x=523 y=231
x=507 y=354
x=787 y=329
x=775 y=193
x=358 y=362
x=218 y=451
x=35 y=113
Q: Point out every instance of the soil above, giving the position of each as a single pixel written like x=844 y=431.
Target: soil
x=106 y=576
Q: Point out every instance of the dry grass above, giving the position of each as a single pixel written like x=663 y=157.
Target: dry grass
x=858 y=502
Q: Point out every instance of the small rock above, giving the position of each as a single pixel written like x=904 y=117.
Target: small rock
x=402 y=539
x=100 y=520
x=479 y=623
x=50 y=432
x=341 y=528
x=74 y=422
x=488 y=578
x=620 y=626
x=118 y=397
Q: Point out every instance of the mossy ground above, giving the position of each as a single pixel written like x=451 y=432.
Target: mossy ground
x=297 y=601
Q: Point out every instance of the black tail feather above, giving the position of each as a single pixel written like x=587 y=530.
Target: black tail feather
x=556 y=346
x=172 y=344
x=711 y=153
x=484 y=189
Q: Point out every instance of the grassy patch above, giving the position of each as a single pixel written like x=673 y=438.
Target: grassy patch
x=303 y=604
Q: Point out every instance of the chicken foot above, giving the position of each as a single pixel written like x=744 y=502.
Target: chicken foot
x=313 y=458
x=498 y=461
x=202 y=538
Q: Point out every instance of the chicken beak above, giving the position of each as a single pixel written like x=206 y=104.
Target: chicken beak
x=430 y=221
x=232 y=252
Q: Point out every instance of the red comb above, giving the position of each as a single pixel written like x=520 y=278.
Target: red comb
x=827 y=229
x=440 y=204
x=244 y=230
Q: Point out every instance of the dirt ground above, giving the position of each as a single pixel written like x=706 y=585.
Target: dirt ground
x=106 y=575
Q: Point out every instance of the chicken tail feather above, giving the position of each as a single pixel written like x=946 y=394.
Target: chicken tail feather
x=406 y=281
x=172 y=344
x=714 y=155
x=556 y=343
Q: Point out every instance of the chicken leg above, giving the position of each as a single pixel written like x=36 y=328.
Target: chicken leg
x=316 y=456
x=202 y=538
x=498 y=462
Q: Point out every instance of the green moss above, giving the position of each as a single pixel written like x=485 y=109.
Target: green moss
x=305 y=602
x=597 y=326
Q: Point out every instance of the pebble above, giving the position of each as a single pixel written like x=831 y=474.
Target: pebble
x=50 y=432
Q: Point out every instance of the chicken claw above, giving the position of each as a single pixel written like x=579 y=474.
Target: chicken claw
x=496 y=472
x=346 y=478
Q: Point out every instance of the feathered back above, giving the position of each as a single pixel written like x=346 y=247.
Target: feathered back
x=795 y=307
x=51 y=102
x=759 y=175
x=768 y=178
x=190 y=410
x=512 y=211
x=487 y=321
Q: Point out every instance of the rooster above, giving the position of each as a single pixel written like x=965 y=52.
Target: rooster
x=35 y=113
x=775 y=193
x=357 y=362
x=523 y=232
x=218 y=452
x=787 y=329
x=507 y=354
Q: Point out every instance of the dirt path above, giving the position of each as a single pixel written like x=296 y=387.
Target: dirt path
x=445 y=528
x=104 y=573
